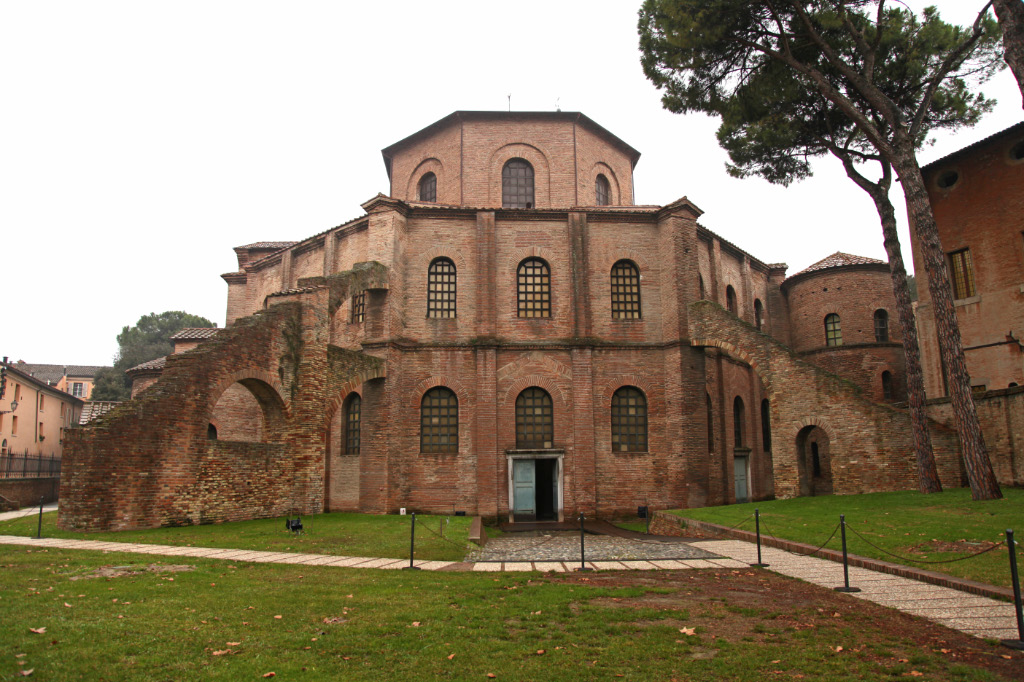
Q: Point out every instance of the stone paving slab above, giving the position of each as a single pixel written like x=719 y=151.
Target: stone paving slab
x=555 y=566
x=491 y=566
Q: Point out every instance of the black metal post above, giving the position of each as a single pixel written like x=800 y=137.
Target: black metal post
x=846 y=566
x=757 y=529
x=39 y=531
x=1015 y=577
x=583 y=564
x=412 y=544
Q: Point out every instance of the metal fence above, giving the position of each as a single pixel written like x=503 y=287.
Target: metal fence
x=29 y=466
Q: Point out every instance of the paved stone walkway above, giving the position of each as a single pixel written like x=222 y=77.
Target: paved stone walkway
x=978 y=616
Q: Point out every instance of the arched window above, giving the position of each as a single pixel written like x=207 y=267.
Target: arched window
x=535 y=420
x=711 y=424
x=211 y=432
x=533 y=283
x=441 y=280
x=439 y=421
x=629 y=420
x=730 y=299
x=428 y=187
x=353 y=408
x=887 y=390
x=517 y=184
x=758 y=314
x=815 y=460
x=833 y=332
x=738 y=417
x=603 y=190
x=700 y=285
x=881 y=326
x=766 y=426
x=625 y=291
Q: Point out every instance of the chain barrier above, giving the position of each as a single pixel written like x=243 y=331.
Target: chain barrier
x=433 y=532
x=820 y=547
x=923 y=561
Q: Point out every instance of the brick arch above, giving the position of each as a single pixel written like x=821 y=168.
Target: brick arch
x=445 y=381
x=739 y=354
x=519 y=255
x=821 y=423
x=636 y=380
x=247 y=379
x=455 y=255
x=338 y=399
x=613 y=182
x=524 y=382
x=628 y=254
x=541 y=172
x=428 y=165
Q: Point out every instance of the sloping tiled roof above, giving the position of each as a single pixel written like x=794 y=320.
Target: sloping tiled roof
x=838 y=260
x=149 y=366
x=194 y=333
x=52 y=373
x=267 y=245
x=94 y=408
x=1015 y=128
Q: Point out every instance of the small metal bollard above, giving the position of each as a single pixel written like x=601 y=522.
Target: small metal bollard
x=1015 y=578
x=412 y=546
x=846 y=566
x=583 y=563
x=39 y=530
x=645 y=513
x=757 y=528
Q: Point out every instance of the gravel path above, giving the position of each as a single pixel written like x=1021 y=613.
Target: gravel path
x=565 y=546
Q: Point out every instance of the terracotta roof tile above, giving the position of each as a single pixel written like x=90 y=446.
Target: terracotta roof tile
x=149 y=366
x=94 y=408
x=194 y=333
x=838 y=260
x=267 y=245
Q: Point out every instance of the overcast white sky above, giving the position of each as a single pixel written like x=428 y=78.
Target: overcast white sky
x=141 y=141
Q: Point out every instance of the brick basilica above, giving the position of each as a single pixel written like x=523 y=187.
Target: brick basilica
x=505 y=333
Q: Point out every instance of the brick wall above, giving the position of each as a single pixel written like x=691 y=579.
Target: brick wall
x=25 y=492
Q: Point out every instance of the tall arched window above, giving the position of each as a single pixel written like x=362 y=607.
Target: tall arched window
x=766 y=426
x=700 y=285
x=439 y=421
x=629 y=420
x=833 y=331
x=887 y=389
x=730 y=299
x=758 y=314
x=535 y=419
x=881 y=326
x=625 y=291
x=603 y=190
x=441 y=281
x=517 y=184
x=353 y=410
x=738 y=418
x=428 y=187
x=533 y=288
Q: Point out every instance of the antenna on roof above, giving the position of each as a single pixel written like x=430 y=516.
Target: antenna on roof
x=558 y=107
x=510 y=101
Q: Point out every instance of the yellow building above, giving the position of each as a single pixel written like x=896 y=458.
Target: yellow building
x=34 y=415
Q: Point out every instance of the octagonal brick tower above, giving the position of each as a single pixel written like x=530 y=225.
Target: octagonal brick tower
x=574 y=161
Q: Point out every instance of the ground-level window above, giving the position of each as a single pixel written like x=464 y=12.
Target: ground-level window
x=439 y=421
x=535 y=419
x=629 y=420
x=833 y=330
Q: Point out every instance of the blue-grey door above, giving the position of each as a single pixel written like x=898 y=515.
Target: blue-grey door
x=524 y=482
x=742 y=486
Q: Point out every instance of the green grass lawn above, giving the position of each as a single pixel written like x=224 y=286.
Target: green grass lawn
x=914 y=526
x=125 y=617
x=338 y=533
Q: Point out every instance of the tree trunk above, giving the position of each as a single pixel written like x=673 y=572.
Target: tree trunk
x=979 y=469
x=1011 y=19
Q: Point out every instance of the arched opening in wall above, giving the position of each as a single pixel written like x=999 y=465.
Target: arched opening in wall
x=700 y=284
x=344 y=441
x=428 y=187
x=758 y=314
x=766 y=426
x=602 y=191
x=888 y=393
x=711 y=424
x=813 y=461
x=740 y=452
x=881 y=326
x=248 y=411
x=833 y=330
x=211 y=431
x=517 y=184
x=730 y=299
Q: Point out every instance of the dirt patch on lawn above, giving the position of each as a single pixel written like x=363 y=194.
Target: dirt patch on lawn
x=758 y=607
x=957 y=546
x=125 y=571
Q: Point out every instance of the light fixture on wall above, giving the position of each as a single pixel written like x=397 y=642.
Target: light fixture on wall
x=14 y=406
